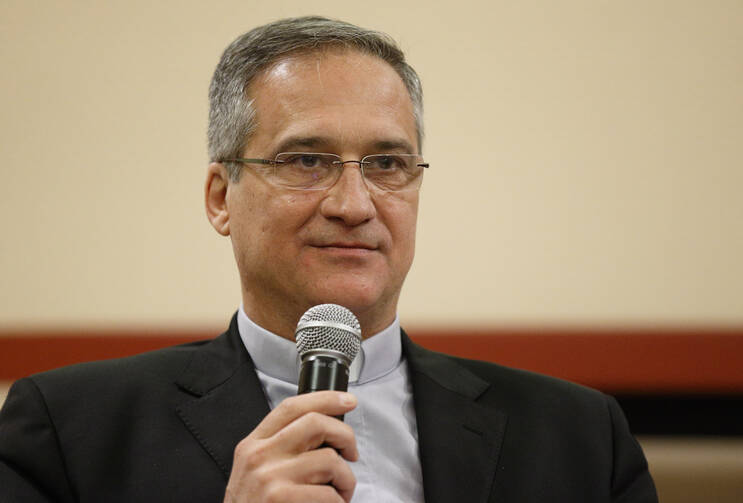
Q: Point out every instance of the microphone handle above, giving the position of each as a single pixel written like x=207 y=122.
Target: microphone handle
x=322 y=372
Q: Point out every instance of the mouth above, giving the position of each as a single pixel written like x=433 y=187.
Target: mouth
x=348 y=246
x=346 y=249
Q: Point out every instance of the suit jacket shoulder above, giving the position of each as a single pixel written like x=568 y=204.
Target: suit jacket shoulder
x=538 y=437
x=131 y=429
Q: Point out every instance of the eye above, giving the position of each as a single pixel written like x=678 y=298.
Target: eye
x=307 y=161
x=388 y=162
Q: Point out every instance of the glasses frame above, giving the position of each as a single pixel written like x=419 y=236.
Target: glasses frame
x=276 y=162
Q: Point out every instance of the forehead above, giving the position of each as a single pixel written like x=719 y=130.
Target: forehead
x=342 y=93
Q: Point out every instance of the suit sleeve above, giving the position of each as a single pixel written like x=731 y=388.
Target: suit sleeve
x=31 y=463
x=631 y=480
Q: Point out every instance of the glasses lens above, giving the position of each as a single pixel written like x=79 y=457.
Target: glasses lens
x=394 y=172
x=305 y=170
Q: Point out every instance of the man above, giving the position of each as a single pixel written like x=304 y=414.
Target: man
x=315 y=139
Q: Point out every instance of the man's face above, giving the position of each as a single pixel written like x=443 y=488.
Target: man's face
x=349 y=244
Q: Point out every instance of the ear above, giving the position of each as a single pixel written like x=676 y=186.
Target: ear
x=215 y=192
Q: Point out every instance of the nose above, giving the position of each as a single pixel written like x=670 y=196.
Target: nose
x=349 y=199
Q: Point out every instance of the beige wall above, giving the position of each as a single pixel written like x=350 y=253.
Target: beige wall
x=586 y=160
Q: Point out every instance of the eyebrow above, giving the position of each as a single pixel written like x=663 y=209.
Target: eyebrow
x=294 y=142
x=388 y=145
x=315 y=142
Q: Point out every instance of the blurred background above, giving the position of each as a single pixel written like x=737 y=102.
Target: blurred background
x=585 y=187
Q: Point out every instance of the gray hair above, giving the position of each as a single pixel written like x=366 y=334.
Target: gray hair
x=232 y=117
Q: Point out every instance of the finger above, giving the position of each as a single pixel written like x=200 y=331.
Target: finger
x=331 y=403
x=340 y=476
x=307 y=494
x=322 y=467
x=314 y=430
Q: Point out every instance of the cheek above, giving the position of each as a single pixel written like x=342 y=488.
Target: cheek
x=403 y=228
x=277 y=222
x=410 y=244
x=250 y=225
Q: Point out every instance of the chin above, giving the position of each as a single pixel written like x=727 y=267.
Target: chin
x=356 y=296
x=356 y=303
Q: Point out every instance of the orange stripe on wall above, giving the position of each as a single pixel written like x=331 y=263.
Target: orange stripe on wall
x=617 y=361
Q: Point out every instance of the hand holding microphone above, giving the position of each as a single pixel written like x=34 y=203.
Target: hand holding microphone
x=299 y=452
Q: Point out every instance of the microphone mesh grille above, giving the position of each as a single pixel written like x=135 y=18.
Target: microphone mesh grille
x=331 y=336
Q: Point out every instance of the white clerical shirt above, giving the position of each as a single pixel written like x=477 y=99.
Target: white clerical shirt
x=388 y=469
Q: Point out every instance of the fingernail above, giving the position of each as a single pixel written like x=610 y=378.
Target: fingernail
x=348 y=399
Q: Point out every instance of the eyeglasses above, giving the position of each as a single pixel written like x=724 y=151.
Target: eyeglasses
x=313 y=171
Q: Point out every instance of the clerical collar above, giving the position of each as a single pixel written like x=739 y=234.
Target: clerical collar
x=277 y=357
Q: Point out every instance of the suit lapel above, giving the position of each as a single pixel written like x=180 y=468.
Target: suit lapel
x=225 y=399
x=459 y=439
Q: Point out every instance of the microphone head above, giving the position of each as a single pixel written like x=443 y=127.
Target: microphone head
x=328 y=329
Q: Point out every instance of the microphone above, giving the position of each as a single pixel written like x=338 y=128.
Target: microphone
x=328 y=339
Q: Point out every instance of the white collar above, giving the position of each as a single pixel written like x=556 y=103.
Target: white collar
x=277 y=357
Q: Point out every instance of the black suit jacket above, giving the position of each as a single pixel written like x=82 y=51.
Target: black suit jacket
x=162 y=426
